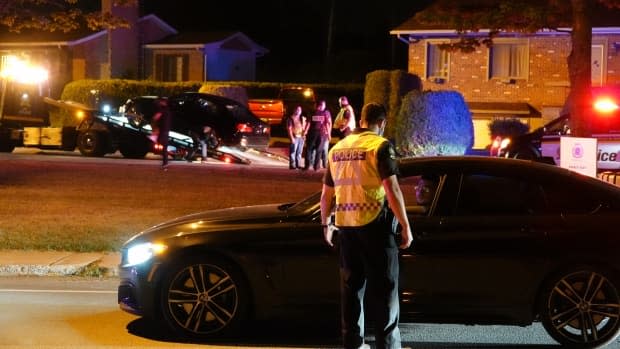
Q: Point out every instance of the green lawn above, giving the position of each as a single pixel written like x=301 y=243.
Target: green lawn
x=85 y=206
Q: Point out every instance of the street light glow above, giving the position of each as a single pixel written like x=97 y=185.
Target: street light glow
x=21 y=71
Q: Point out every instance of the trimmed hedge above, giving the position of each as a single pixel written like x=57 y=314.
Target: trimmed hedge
x=433 y=123
x=388 y=87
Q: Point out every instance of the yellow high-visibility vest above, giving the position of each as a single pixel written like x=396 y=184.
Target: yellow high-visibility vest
x=357 y=184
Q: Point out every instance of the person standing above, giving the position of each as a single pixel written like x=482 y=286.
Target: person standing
x=345 y=120
x=313 y=135
x=296 y=125
x=362 y=175
x=200 y=140
x=161 y=126
x=326 y=136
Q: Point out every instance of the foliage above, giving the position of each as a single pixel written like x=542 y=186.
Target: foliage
x=507 y=127
x=58 y=15
x=469 y=17
x=433 y=123
x=388 y=88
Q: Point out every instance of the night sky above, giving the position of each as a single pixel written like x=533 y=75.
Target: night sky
x=296 y=32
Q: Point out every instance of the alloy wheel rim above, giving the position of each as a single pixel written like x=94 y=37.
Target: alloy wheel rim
x=584 y=307
x=203 y=299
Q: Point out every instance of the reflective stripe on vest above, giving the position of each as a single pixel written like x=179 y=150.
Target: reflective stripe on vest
x=359 y=190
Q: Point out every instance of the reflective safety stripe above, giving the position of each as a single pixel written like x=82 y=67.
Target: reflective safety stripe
x=358 y=206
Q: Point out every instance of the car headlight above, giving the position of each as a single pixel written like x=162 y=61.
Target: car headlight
x=141 y=253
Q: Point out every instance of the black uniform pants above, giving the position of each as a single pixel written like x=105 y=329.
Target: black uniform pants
x=369 y=257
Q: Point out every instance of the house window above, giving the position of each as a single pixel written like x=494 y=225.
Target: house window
x=509 y=60
x=172 y=67
x=438 y=62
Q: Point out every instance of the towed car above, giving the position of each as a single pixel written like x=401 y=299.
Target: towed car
x=501 y=242
x=231 y=123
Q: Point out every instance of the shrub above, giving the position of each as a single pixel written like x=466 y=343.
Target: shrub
x=388 y=88
x=433 y=123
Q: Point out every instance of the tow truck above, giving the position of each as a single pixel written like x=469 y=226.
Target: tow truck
x=25 y=122
x=543 y=144
x=99 y=132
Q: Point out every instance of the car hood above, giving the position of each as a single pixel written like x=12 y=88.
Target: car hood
x=212 y=220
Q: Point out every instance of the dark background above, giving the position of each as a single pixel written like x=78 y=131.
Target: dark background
x=296 y=33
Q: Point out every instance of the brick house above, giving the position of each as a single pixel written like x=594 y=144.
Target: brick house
x=150 y=49
x=522 y=76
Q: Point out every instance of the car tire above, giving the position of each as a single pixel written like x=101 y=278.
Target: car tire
x=580 y=307
x=6 y=146
x=204 y=298
x=91 y=143
x=135 y=148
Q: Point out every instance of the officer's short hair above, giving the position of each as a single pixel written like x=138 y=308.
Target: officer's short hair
x=372 y=113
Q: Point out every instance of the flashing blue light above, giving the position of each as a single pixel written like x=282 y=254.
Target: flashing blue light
x=106 y=109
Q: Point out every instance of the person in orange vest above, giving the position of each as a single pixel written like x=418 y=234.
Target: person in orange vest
x=362 y=176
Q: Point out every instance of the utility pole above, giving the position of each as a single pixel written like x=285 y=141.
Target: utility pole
x=330 y=35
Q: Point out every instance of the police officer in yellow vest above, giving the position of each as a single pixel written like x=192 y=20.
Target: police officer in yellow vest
x=362 y=175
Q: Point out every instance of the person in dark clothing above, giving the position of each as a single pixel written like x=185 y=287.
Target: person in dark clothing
x=161 y=128
x=201 y=141
x=314 y=131
x=362 y=175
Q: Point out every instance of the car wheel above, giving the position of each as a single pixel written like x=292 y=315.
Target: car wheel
x=581 y=308
x=91 y=143
x=135 y=148
x=204 y=298
x=6 y=146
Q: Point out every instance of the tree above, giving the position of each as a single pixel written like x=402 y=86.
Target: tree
x=58 y=15
x=528 y=16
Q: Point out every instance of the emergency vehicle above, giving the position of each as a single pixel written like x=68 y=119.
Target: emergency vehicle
x=543 y=144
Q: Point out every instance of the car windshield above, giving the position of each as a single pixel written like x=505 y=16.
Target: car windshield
x=558 y=126
x=303 y=206
x=240 y=113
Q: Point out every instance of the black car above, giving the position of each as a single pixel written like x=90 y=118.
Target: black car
x=504 y=241
x=231 y=122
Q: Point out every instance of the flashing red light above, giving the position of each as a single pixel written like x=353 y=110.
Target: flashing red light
x=244 y=128
x=605 y=105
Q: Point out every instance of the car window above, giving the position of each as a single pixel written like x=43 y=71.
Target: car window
x=484 y=194
x=572 y=197
x=240 y=113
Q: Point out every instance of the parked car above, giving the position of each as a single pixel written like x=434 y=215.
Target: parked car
x=232 y=123
x=503 y=241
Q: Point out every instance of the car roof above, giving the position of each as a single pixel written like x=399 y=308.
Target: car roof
x=524 y=168
x=212 y=97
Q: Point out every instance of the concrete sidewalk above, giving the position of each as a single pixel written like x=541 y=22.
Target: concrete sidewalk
x=41 y=263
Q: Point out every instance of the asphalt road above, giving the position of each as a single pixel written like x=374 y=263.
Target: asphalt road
x=70 y=312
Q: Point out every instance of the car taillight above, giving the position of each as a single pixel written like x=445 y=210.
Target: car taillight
x=605 y=105
x=244 y=128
